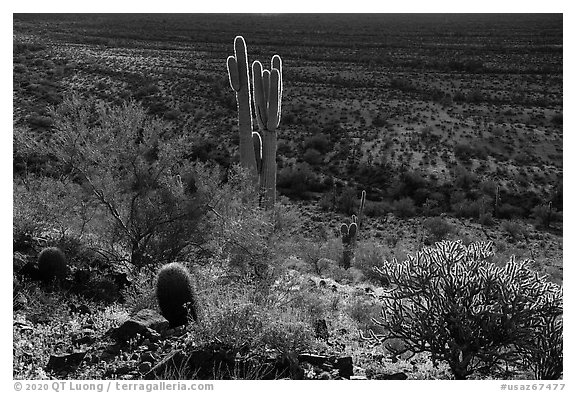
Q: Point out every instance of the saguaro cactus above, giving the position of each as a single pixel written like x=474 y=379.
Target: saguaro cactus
x=240 y=83
x=260 y=156
x=350 y=232
x=267 y=103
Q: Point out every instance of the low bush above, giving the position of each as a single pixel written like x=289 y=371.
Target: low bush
x=437 y=229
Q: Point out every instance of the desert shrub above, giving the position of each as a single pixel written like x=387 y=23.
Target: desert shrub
x=46 y=207
x=362 y=310
x=452 y=302
x=319 y=142
x=464 y=179
x=346 y=201
x=242 y=314
x=437 y=229
x=52 y=264
x=288 y=336
x=464 y=152
x=486 y=219
x=544 y=215
x=514 y=229
x=404 y=207
x=377 y=209
x=175 y=294
x=296 y=181
x=467 y=208
x=244 y=237
x=368 y=256
x=130 y=166
x=509 y=211
x=312 y=156
x=314 y=255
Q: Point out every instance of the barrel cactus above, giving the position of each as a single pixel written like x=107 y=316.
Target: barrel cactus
x=52 y=264
x=175 y=294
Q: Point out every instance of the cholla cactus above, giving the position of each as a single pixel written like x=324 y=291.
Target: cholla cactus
x=453 y=302
x=349 y=233
x=258 y=150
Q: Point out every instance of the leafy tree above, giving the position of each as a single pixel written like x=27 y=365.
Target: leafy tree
x=453 y=303
x=134 y=168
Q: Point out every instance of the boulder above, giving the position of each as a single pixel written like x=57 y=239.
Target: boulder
x=146 y=323
x=345 y=367
x=66 y=362
x=394 y=376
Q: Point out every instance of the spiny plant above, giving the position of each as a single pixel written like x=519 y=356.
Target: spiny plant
x=52 y=264
x=453 y=302
x=175 y=294
x=349 y=233
x=257 y=150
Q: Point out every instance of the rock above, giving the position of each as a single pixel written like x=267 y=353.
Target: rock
x=66 y=362
x=315 y=360
x=345 y=366
x=144 y=367
x=321 y=329
x=151 y=319
x=146 y=323
x=85 y=337
x=395 y=376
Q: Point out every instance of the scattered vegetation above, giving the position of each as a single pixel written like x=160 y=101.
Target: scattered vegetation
x=131 y=187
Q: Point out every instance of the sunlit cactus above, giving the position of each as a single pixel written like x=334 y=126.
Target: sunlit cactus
x=240 y=83
x=455 y=303
x=260 y=156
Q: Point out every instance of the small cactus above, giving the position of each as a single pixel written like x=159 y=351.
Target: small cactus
x=350 y=232
x=52 y=264
x=175 y=294
x=349 y=241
